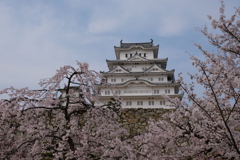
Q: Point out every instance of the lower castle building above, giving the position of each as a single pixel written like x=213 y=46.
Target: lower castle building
x=139 y=77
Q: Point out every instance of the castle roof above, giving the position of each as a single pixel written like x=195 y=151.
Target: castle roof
x=138 y=73
x=162 y=62
x=137 y=81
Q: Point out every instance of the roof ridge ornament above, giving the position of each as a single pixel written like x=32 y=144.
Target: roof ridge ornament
x=151 y=42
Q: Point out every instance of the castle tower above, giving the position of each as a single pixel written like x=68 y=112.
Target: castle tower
x=139 y=78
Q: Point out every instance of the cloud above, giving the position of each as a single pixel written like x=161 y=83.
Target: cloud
x=103 y=25
x=172 y=26
x=166 y=18
x=38 y=37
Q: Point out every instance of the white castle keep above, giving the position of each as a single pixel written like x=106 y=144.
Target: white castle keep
x=139 y=77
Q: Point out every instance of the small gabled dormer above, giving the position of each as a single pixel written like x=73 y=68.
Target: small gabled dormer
x=137 y=57
x=155 y=68
x=119 y=69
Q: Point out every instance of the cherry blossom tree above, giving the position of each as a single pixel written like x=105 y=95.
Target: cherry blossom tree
x=207 y=126
x=60 y=121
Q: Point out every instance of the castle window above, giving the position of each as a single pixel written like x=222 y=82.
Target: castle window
x=151 y=79
x=107 y=92
x=118 y=70
x=139 y=103
x=126 y=55
x=122 y=80
x=156 y=91
x=161 y=79
x=150 y=103
x=144 y=54
x=128 y=103
x=144 y=69
x=167 y=91
x=140 y=54
x=131 y=55
x=129 y=69
x=113 y=80
x=162 y=102
x=117 y=92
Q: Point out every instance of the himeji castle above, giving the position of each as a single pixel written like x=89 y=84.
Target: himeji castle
x=139 y=77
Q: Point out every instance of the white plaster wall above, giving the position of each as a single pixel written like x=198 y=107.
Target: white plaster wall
x=155 y=78
x=133 y=90
x=137 y=68
x=119 y=79
x=127 y=78
x=162 y=91
x=149 y=53
x=145 y=103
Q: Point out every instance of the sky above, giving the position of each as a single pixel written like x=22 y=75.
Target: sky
x=38 y=37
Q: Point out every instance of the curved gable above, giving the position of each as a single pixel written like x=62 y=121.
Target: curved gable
x=155 y=68
x=119 y=69
x=136 y=57
x=137 y=82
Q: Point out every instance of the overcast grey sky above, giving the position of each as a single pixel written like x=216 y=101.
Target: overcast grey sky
x=38 y=37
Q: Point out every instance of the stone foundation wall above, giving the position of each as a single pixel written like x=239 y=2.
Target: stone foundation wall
x=136 y=120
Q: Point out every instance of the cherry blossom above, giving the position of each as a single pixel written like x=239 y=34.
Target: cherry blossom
x=60 y=120
x=204 y=126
